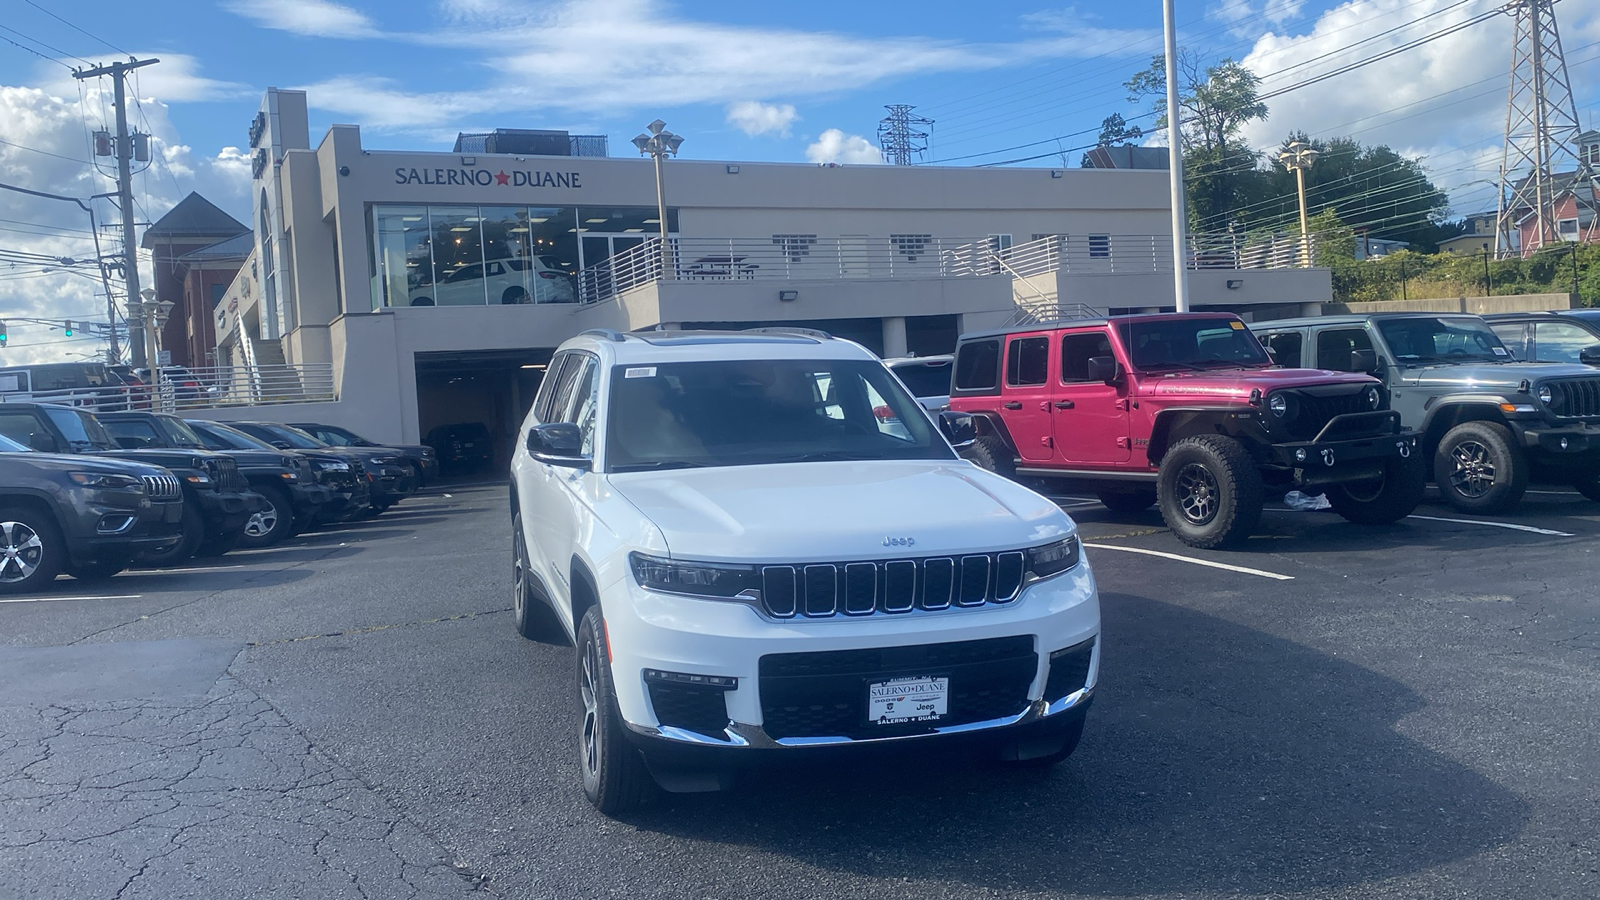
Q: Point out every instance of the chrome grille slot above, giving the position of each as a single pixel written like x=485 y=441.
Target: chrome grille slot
x=889 y=587
x=860 y=589
x=938 y=583
x=778 y=591
x=163 y=487
x=1008 y=569
x=974 y=581
x=899 y=586
x=822 y=590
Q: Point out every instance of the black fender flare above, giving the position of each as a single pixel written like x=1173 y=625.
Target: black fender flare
x=1448 y=412
x=987 y=423
x=1187 y=421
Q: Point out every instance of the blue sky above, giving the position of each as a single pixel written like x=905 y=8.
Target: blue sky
x=798 y=82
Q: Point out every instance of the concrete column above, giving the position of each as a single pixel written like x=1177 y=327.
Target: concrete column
x=894 y=336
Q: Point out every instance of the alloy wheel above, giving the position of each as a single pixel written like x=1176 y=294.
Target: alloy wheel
x=20 y=552
x=262 y=523
x=588 y=687
x=1474 y=469
x=1198 y=493
x=519 y=593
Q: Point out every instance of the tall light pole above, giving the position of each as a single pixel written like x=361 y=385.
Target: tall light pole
x=1180 y=263
x=659 y=144
x=1298 y=157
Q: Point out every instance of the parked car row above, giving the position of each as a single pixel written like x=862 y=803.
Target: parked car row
x=90 y=495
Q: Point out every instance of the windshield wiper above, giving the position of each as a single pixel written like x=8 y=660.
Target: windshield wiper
x=659 y=464
x=1173 y=364
x=819 y=456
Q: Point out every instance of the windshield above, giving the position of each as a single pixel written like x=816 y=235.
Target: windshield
x=1167 y=344
x=1441 y=339
x=180 y=434
x=294 y=437
x=221 y=437
x=82 y=431
x=926 y=379
x=750 y=412
x=7 y=445
x=336 y=438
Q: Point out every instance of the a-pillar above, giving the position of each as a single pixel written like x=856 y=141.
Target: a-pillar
x=894 y=337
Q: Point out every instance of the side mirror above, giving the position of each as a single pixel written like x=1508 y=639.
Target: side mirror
x=1104 y=369
x=557 y=444
x=1364 y=361
x=42 y=442
x=958 y=428
x=1590 y=356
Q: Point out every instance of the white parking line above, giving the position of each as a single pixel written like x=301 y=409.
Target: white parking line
x=189 y=569
x=1189 y=559
x=48 y=598
x=1528 y=528
x=1558 y=493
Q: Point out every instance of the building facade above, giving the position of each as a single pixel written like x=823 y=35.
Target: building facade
x=196 y=251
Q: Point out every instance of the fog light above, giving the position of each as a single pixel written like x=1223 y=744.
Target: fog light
x=1563 y=443
x=114 y=524
x=1300 y=455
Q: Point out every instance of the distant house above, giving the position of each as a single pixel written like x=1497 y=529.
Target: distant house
x=1574 y=205
x=1368 y=247
x=196 y=250
x=1478 y=239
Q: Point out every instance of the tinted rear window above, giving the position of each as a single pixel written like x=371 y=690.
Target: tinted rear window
x=978 y=366
x=925 y=379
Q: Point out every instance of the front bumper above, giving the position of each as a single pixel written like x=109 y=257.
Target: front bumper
x=1354 y=447
x=675 y=634
x=307 y=500
x=1559 y=440
x=391 y=484
x=154 y=526
x=227 y=511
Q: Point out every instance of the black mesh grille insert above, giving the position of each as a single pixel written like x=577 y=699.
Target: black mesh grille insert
x=825 y=694
x=1069 y=671
x=691 y=707
x=1316 y=409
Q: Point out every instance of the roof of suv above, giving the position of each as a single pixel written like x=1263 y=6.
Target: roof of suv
x=1091 y=323
x=1356 y=319
x=675 y=346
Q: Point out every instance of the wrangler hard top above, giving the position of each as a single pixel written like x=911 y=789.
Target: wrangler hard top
x=1187 y=410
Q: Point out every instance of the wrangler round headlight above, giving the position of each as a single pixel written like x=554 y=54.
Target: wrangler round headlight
x=1374 y=398
x=1279 y=404
x=1545 y=394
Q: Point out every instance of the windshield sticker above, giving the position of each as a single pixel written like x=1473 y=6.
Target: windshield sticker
x=1501 y=351
x=1237 y=326
x=640 y=372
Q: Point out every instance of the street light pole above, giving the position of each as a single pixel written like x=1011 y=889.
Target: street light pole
x=1298 y=157
x=660 y=143
x=1180 y=263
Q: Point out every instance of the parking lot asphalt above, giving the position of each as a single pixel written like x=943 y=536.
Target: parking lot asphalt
x=1334 y=711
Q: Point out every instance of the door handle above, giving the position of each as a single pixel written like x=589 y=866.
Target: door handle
x=1065 y=404
x=1014 y=404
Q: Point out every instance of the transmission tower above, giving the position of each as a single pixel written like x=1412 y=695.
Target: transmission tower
x=1539 y=162
x=898 y=137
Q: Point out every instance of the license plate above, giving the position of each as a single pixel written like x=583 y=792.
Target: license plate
x=908 y=700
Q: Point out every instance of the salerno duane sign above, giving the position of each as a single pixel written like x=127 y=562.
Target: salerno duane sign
x=486 y=178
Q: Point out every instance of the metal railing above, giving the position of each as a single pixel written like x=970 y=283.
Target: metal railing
x=199 y=388
x=783 y=257
x=1108 y=254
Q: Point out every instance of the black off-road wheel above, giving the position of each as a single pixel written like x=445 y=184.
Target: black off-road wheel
x=1478 y=469
x=535 y=620
x=989 y=452
x=1127 y=501
x=32 y=551
x=1387 y=500
x=615 y=778
x=193 y=531
x=1209 y=491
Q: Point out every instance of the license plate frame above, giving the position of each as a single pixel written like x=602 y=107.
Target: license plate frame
x=907 y=700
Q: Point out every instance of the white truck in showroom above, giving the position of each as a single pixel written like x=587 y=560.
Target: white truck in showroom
x=754 y=566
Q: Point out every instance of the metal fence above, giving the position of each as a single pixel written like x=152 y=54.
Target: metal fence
x=781 y=257
x=1109 y=254
x=199 y=388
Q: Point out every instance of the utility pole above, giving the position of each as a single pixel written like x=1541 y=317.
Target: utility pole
x=1180 y=210
x=124 y=150
x=1298 y=157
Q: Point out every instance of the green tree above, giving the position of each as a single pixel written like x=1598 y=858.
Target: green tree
x=1220 y=169
x=1370 y=188
x=1114 y=132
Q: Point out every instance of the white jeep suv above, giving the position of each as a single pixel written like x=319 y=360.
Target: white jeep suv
x=752 y=564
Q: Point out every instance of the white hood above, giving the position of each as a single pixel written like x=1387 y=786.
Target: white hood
x=837 y=511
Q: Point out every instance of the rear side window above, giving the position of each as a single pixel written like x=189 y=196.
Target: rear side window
x=1335 y=346
x=978 y=366
x=1514 y=335
x=133 y=434
x=547 y=387
x=1077 y=350
x=19 y=426
x=1028 y=361
x=1285 y=346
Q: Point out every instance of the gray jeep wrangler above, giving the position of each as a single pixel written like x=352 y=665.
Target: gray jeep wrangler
x=1490 y=422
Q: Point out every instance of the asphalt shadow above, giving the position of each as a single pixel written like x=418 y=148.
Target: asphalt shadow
x=1217 y=758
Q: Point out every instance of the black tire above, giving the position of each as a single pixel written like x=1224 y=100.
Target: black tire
x=1385 y=501
x=989 y=452
x=535 y=620
x=1478 y=469
x=193 y=531
x=1011 y=753
x=96 y=570
x=614 y=775
x=1126 y=501
x=1589 y=486
x=514 y=295
x=34 y=551
x=1209 y=491
x=274 y=523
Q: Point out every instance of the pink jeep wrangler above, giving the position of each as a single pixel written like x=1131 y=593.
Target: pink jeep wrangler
x=1188 y=411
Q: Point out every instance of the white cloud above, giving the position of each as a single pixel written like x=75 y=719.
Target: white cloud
x=755 y=118
x=834 y=146
x=315 y=18
x=176 y=79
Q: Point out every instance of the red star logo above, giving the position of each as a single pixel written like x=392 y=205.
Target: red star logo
x=502 y=178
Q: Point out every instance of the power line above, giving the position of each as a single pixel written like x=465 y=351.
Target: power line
x=76 y=28
x=34 y=52
x=47 y=47
x=82 y=162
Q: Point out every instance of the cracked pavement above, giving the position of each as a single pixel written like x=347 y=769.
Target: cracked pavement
x=353 y=715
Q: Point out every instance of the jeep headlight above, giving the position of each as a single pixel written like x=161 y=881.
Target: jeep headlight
x=331 y=465
x=1546 y=396
x=105 y=480
x=1279 y=404
x=1053 y=559
x=1374 y=397
x=694 y=578
x=385 y=460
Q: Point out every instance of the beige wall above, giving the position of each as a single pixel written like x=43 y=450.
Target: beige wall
x=1477 y=306
x=1207 y=287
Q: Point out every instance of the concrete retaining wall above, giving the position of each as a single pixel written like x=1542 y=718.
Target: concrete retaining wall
x=1477 y=306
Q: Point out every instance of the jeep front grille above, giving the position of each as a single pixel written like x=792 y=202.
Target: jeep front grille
x=821 y=590
x=163 y=487
x=1317 y=409
x=229 y=478
x=1574 y=398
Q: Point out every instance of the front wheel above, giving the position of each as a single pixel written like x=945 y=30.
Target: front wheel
x=31 y=551
x=614 y=775
x=535 y=620
x=1209 y=491
x=97 y=570
x=1478 y=469
x=273 y=523
x=1389 y=499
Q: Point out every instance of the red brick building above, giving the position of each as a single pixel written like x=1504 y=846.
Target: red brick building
x=196 y=250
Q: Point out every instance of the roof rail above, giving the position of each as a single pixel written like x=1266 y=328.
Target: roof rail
x=790 y=329
x=610 y=334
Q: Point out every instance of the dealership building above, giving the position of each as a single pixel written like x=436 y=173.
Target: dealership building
x=434 y=287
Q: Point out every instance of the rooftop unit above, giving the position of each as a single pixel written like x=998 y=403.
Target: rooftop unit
x=532 y=142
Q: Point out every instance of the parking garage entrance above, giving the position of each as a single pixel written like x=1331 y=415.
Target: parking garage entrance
x=492 y=388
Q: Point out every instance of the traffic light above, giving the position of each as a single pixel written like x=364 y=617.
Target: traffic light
x=2 y=334
x=68 y=329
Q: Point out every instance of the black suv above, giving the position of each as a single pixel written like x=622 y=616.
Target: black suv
x=1568 y=336
x=465 y=447
x=420 y=457
x=218 y=501
x=345 y=477
x=286 y=481
x=85 y=517
x=390 y=479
